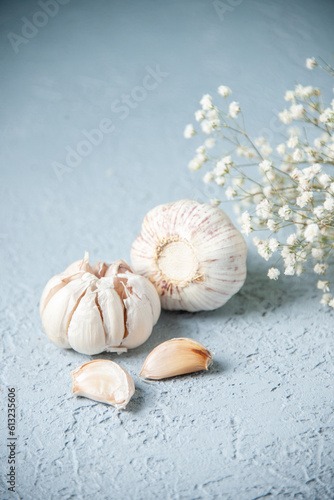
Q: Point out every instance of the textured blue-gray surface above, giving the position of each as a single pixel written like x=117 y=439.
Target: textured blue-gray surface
x=259 y=423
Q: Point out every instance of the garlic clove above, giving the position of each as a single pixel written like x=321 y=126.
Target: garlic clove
x=112 y=312
x=80 y=265
x=104 y=381
x=86 y=333
x=193 y=255
x=177 y=356
x=59 y=310
x=142 y=306
x=51 y=288
x=118 y=267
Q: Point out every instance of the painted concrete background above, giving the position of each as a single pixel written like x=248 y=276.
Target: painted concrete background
x=259 y=424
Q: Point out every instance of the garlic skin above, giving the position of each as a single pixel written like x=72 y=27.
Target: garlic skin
x=99 y=308
x=176 y=357
x=104 y=381
x=193 y=255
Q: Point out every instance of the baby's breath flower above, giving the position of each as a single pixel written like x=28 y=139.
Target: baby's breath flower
x=311 y=232
x=220 y=181
x=266 y=150
x=285 y=212
x=297 y=111
x=206 y=102
x=319 y=211
x=292 y=142
x=285 y=116
x=230 y=193
x=273 y=273
x=303 y=92
x=272 y=225
x=265 y=165
x=215 y=202
x=260 y=141
x=194 y=165
x=212 y=114
x=264 y=250
x=200 y=150
x=298 y=155
x=310 y=63
x=297 y=191
x=329 y=204
x=292 y=239
x=320 y=268
x=268 y=191
x=189 y=131
x=273 y=244
x=246 y=223
x=304 y=199
x=312 y=171
x=238 y=181
x=234 y=109
x=199 y=115
x=325 y=299
x=318 y=143
x=197 y=162
x=206 y=127
x=317 y=253
x=245 y=151
x=224 y=91
x=289 y=271
x=208 y=177
x=299 y=269
x=289 y=95
x=326 y=116
x=323 y=285
x=296 y=174
x=210 y=143
x=222 y=168
x=281 y=149
x=264 y=209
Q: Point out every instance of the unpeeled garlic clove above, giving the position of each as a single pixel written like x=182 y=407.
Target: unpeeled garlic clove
x=104 y=381
x=176 y=357
x=193 y=255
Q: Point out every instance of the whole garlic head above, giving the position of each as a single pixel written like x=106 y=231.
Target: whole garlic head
x=193 y=255
x=99 y=308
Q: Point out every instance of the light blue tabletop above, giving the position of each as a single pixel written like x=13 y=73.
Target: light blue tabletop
x=259 y=424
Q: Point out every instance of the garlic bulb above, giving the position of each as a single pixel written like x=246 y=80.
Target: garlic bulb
x=104 y=381
x=193 y=255
x=99 y=308
x=176 y=357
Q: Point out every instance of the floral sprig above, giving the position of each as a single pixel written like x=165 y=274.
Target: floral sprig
x=295 y=188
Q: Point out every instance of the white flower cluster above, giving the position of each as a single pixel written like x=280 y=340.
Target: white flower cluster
x=296 y=189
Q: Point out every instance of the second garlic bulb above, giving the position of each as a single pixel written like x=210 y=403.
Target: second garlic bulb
x=99 y=308
x=193 y=255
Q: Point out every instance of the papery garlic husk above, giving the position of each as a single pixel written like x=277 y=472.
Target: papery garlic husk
x=193 y=255
x=99 y=308
x=176 y=357
x=104 y=381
